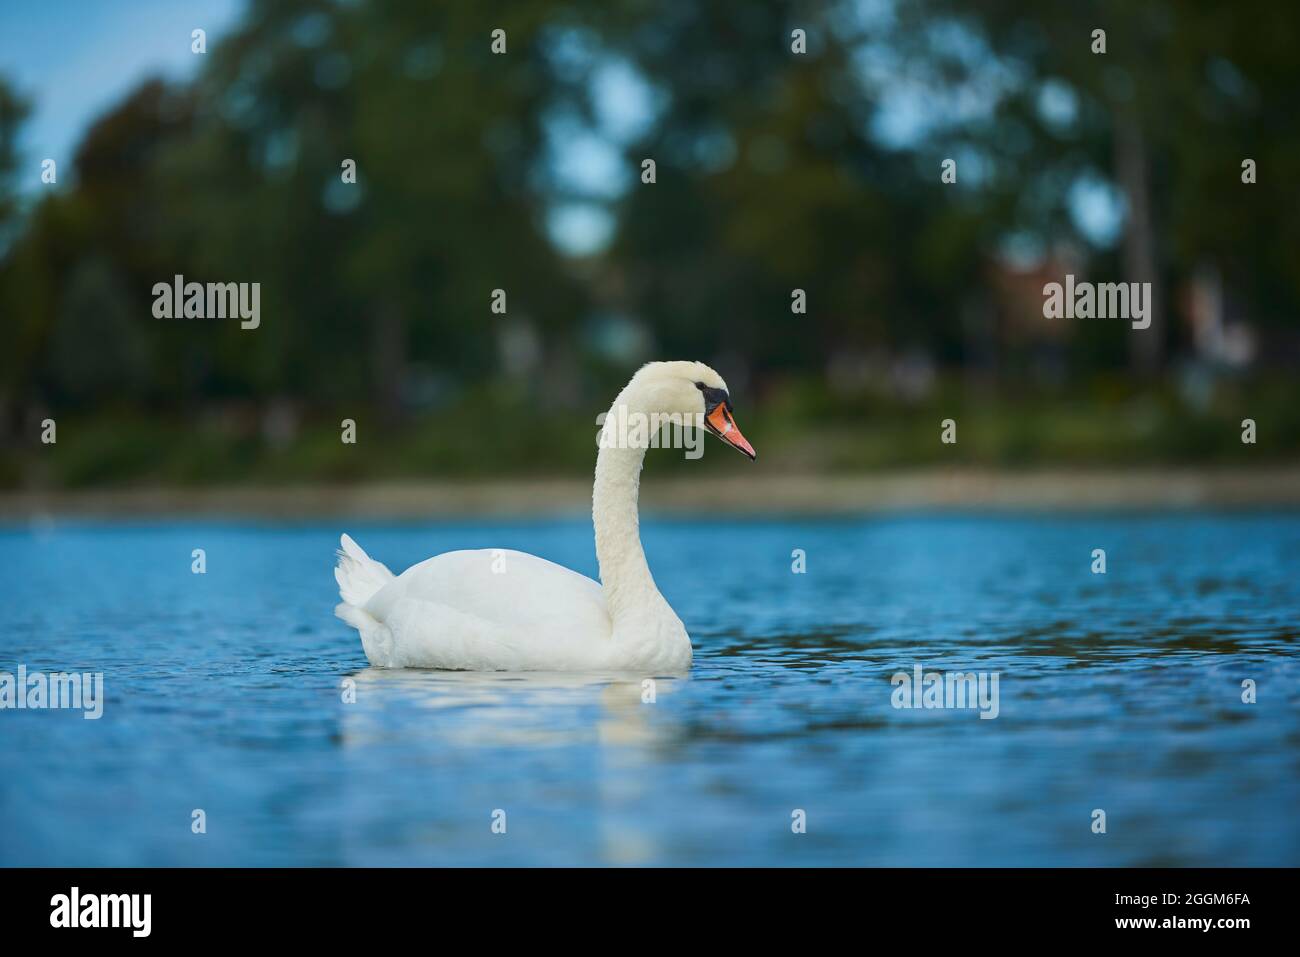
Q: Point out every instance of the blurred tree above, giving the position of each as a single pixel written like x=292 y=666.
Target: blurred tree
x=400 y=265
x=769 y=180
x=1181 y=95
x=13 y=111
x=23 y=299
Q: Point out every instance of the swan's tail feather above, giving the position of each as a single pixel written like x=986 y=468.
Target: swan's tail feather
x=359 y=576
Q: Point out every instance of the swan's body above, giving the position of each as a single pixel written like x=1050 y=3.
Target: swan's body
x=499 y=610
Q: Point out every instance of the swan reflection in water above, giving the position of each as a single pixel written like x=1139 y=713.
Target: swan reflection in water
x=430 y=723
x=508 y=706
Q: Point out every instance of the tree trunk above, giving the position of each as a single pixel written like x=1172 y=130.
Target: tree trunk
x=1146 y=346
x=389 y=361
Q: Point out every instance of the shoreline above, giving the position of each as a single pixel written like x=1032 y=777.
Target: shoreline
x=1057 y=490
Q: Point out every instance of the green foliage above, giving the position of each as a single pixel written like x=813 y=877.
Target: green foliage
x=772 y=174
x=800 y=428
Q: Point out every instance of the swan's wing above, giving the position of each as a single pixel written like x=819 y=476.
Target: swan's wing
x=492 y=609
x=497 y=585
x=427 y=634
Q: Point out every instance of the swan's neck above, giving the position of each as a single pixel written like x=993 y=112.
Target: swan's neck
x=629 y=587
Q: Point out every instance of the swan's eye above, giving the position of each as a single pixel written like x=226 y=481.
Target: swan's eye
x=700 y=386
x=713 y=397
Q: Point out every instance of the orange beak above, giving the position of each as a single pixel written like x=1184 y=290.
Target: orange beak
x=724 y=427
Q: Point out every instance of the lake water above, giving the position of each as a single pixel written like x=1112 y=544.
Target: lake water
x=1120 y=692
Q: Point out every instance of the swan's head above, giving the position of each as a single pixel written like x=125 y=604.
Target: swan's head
x=691 y=390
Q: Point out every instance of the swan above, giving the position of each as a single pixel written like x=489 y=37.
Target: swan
x=503 y=610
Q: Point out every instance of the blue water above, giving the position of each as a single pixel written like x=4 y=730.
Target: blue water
x=1120 y=692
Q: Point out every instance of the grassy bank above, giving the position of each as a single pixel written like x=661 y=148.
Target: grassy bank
x=799 y=428
x=744 y=491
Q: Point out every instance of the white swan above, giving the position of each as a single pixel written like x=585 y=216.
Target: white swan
x=499 y=610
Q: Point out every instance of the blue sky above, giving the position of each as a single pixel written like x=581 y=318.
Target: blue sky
x=75 y=58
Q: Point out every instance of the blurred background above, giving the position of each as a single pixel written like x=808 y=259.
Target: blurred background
x=521 y=172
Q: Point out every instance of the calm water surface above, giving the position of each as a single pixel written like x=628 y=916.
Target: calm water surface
x=1119 y=691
